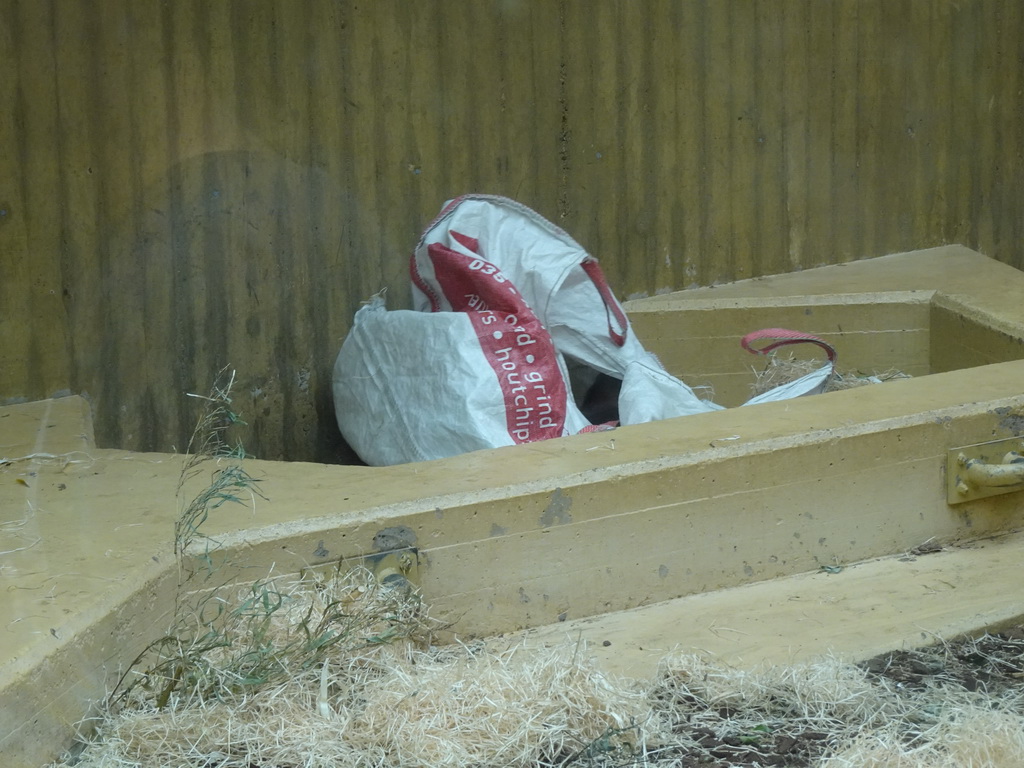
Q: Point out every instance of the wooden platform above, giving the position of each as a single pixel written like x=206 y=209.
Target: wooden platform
x=705 y=532
x=854 y=611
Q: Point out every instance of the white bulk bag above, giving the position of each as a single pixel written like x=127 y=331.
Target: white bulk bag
x=413 y=386
x=563 y=285
x=500 y=296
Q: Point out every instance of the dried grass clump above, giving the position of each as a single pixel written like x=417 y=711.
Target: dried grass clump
x=396 y=706
x=523 y=707
x=278 y=726
x=231 y=642
x=693 y=694
x=965 y=734
x=820 y=696
x=250 y=677
x=782 y=370
x=381 y=697
x=869 y=723
x=400 y=704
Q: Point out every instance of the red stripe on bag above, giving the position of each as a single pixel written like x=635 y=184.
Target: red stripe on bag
x=473 y=283
x=515 y=343
x=423 y=285
x=468 y=242
x=783 y=337
x=611 y=304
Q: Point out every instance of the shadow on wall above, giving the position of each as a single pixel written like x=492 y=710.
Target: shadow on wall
x=235 y=258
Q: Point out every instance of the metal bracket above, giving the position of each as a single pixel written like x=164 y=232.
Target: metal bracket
x=985 y=469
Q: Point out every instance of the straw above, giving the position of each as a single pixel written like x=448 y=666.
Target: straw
x=780 y=370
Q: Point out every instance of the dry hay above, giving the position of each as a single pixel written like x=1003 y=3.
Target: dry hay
x=523 y=707
x=386 y=697
x=782 y=370
x=966 y=735
x=382 y=697
x=831 y=714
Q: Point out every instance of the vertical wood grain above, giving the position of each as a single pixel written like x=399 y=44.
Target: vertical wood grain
x=195 y=184
x=34 y=332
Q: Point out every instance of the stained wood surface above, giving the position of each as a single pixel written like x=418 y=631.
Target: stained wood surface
x=195 y=184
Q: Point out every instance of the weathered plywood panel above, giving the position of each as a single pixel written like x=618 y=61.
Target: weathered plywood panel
x=898 y=602
x=962 y=337
x=699 y=340
x=189 y=185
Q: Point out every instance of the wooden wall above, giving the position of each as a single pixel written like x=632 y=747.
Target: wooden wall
x=190 y=184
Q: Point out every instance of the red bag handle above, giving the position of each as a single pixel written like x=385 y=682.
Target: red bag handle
x=612 y=308
x=783 y=337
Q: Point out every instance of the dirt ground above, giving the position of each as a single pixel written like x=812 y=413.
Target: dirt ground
x=992 y=666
